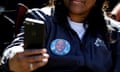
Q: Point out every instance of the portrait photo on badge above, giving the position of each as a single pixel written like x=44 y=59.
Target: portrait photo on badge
x=60 y=47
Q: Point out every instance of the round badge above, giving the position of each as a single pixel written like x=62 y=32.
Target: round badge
x=60 y=47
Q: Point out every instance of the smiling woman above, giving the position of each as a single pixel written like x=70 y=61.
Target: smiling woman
x=76 y=40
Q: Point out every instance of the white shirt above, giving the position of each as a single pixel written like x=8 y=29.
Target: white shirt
x=77 y=27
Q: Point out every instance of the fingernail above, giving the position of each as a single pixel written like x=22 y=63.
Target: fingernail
x=44 y=50
x=44 y=60
x=46 y=55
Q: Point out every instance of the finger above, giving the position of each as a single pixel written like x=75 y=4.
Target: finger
x=34 y=52
x=17 y=62
x=39 y=64
x=36 y=58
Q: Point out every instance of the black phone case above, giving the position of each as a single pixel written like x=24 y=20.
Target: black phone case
x=34 y=36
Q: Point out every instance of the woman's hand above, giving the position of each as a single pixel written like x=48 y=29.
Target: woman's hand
x=29 y=60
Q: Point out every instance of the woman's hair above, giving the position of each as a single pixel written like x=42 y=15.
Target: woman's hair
x=95 y=19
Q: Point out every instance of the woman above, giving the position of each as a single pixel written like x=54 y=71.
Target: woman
x=81 y=25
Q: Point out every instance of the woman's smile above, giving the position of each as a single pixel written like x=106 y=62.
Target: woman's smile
x=78 y=1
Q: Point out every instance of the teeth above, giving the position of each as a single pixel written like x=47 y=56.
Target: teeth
x=77 y=2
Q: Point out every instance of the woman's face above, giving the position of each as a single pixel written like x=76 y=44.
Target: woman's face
x=79 y=6
x=60 y=45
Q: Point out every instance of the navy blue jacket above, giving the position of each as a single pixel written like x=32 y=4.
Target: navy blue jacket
x=88 y=55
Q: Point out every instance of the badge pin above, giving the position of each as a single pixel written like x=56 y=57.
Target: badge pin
x=60 y=47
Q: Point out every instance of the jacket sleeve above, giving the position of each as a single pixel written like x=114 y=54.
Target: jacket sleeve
x=111 y=23
x=15 y=46
x=18 y=43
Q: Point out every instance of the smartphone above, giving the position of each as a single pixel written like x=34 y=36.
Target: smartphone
x=34 y=33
